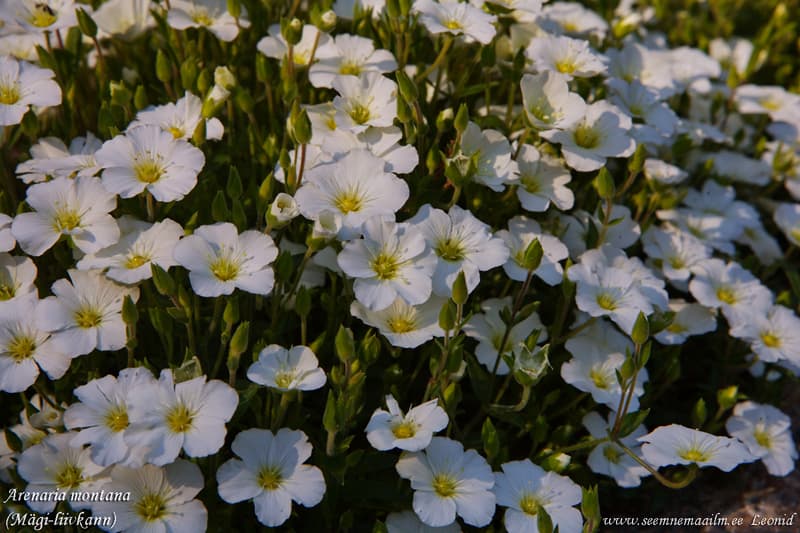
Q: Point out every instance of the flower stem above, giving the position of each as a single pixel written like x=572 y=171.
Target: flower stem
x=448 y=42
x=692 y=474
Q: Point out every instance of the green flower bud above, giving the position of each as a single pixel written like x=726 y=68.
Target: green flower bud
x=345 y=344
x=408 y=89
x=462 y=119
x=532 y=257
x=164 y=283
x=604 y=184
x=460 y=292
x=292 y=30
x=163 y=67
x=447 y=316
x=641 y=329
x=86 y=23
x=130 y=315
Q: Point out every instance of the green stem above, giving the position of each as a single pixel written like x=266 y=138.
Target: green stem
x=448 y=42
x=286 y=399
x=692 y=474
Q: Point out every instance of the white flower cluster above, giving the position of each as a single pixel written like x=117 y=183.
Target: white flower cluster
x=694 y=249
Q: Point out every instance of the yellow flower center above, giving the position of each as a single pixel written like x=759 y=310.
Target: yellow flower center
x=116 y=418
x=179 y=419
x=331 y=123
x=677 y=262
x=176 y=132
x=795 y=234
x=136 y=260
x=69 y=477
x=87 y=317
x=770 y=104
x=151 y=507
x=360 y=114
x=201 y=17
x=694 y=455
x=269 y=478
x=66 y=220
x=9 y=94
x=762 y=437
x=770 y=340
x=42 y=15
x=350 y=68
x=450 y=249
x=444 y=485
x=676 y=328
x=401 y=324
x=606 y=301
x=385 y=266
x=7 y=292
x=570 y=27
x=529 y=505
x=599 y=378
x=612 y=453
x=566 y=66
x=531 y=184
x=21 y=348
x=727 y=295
x=348 y=202
x=284 y=379
x=301 y=57
x=586 y=137
x=453 y=24
x=404 y=430
x=148 y=171
x=224 y=269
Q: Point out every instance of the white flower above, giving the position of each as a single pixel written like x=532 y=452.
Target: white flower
x=787 y=217
x=449 y=481
x=602 y=133
x=679 y=445
x=356 y=187
x=85 y=313
x=286 y=370
x=597 y=355
x=676 y=251
x=349 y=55
x=162 y=499
x=570 y=57
x=644 y=103
x=55 y=464
x=461 y=242
x=220 y=259
x=283 y=208
x=572 y=17
x=166 y=417
x=403 y=325
x=522 y=231
x=124 y=19
x=367 y=100
x=271 y=473
x=211 y=14
x=542 y=180
x=492 y=154
x=101 y=416
x=36 y=16
x=141 y=245
x=17 y=275
x=78 y=208
x=408 y=522
x=738 y=167
x=391 y=260
x=767 y=433
x=7 y=240
x=24 y=349
x=775 y=101
x=604 y=290
x=773 y=333
x=453 y=17
x=728 y=286
x=662 y=172
x=526 y=489
x=274 y=45
x=690 y=319
x=489 y=329
x=179 y=119
x=412 y=432
x=382 y=142
x=51 y=157
x=23 y=85
x=150 y=158
x=548 y=102
x=608 y=458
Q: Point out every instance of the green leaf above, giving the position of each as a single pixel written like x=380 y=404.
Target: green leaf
x=345 y=344
x=219 y=208
x=631 y=421
x=491 y=442
x=699 y=413
x=234 y=185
